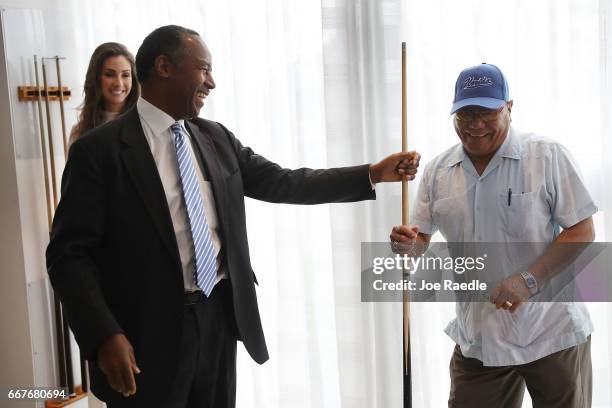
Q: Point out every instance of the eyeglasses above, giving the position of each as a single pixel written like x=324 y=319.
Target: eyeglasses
x=469 y=114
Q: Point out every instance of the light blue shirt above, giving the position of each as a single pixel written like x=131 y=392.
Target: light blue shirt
x=530 y=189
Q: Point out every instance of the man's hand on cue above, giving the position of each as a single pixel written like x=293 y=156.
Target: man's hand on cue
x=510 y=293
x=403 y=239
x=117 y=362
x=393 y=167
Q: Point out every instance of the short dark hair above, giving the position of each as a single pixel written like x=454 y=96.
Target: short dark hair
x=164 y=40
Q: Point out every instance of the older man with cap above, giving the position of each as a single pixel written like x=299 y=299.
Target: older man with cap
x=500 y=185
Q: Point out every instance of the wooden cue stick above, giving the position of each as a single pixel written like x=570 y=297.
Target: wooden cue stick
x=50 y=136
x=60 y=319
x=68 y=348
x=43 y=149
x=84 y=373
x=59 y=327
x=61 y=101
x=59 y=338
x=69 y=368
x=63 y=338
x=405 y=221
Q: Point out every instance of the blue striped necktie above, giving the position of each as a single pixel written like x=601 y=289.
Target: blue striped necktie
x=205 y=272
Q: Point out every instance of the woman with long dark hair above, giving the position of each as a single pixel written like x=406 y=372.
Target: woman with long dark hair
x=111 y=87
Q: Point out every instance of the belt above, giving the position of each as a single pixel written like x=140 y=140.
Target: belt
x=191 y=298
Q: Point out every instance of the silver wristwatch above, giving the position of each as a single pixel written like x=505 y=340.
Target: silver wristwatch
x=531 y=282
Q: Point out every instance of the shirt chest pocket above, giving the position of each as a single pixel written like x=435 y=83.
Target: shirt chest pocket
x=523 y=215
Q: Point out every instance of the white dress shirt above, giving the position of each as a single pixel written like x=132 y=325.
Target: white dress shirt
x=156 y=126
x=530 y=189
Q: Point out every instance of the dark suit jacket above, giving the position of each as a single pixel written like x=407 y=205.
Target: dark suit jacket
x=113 y=259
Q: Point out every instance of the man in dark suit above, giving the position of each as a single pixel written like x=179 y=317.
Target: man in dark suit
x=149 y=251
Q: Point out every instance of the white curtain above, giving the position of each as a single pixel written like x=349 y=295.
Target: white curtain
x=318 y=84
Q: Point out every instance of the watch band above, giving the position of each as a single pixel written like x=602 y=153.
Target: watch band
x=531 y=282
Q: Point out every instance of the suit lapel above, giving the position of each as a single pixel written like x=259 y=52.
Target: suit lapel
x=210 y=158
x=140 y=165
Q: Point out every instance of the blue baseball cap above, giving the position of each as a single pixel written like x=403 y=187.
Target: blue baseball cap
x=483 y=85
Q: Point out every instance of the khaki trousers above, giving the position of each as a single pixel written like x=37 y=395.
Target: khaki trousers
x=560 y=380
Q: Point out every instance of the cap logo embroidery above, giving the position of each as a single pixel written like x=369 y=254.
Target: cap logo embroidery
x=472 y=82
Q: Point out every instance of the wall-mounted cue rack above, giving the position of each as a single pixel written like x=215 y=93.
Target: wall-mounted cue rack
x=44 y=94
x=33 y=93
